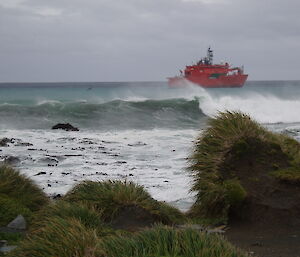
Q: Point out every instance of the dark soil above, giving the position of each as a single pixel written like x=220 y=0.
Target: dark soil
x=133 y=218
x=268 y=223
x=272 y=240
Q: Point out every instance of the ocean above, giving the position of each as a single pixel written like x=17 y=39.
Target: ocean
x=140 y=131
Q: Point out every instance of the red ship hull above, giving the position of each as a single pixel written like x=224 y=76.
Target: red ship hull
x=208 y=82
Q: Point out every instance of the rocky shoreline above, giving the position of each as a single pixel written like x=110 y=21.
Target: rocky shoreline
x=247 y=181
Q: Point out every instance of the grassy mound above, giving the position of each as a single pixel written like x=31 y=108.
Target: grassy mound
x=166 y=241
x=60 y=237
x=88 y=217
x=18 y=195
x=118 y=201
x=11 y=238
x=11 y=208
x=235 y=160
x=68 y=237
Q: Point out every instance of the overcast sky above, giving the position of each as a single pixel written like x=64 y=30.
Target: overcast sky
x=145 y=40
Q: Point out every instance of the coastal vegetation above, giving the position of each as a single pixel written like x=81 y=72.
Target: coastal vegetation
x=167 y=241
x=18 y=195
x=241 y=171
x=87 y=216
x=60 y=237
x=115 y=198
x=87 y=222
x=68 y=237
x=238 y=164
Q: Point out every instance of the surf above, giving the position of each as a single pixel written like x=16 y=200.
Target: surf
x=116 y=114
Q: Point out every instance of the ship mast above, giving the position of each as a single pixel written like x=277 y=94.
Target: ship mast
x=210 y=56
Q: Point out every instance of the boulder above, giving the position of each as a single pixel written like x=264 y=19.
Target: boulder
x=3 y=243
x=65 y=126
x=19 y=223
x=7 y=248
x=5 y=141
x=11 y=160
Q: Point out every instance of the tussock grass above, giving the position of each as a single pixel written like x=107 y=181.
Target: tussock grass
x=234 y=135
x=87 y=216
x=222 y=133
x=110 y=197
x=290 y=175
x=166 y=241
x=18 y=195
x=11 y=238
x=18 y=186
x=10 y=209
x=60 y=237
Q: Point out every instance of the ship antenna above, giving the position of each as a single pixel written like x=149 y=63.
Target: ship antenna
x=210 y=55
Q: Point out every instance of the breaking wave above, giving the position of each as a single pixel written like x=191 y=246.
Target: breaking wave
x=264 y=108
x=143 y=105
x=117 y=114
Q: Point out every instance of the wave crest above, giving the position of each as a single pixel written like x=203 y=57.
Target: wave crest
x=116 y=114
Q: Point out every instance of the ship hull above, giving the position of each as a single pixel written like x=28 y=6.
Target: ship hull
x=237 y=80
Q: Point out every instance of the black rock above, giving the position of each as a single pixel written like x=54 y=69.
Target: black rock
x=11 y=160
x=5 y=141
x=65 y=126
x=24 y=144
x=57 y=196
x=121 y=162
x=101 y=173
x=41 y=173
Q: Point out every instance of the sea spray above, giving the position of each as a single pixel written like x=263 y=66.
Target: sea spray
x=265 y=109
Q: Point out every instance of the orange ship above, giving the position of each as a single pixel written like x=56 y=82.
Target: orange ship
x=209 y=75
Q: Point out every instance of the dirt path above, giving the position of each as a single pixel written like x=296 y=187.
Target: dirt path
x=266 y=241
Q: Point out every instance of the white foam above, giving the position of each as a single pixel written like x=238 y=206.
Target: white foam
x=48 y=101
x=152 y=158
x=264 y=109
x=132 y=98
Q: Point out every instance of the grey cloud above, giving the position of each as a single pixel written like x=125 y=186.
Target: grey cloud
x=104 y=40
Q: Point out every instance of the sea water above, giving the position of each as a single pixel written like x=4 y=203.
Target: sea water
x=141 y=131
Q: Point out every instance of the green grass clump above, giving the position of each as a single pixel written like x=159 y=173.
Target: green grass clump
x=110 y=197
x=290 y=175
x=165 y=241
x=229 y=138
x=235 y=193
x=60 y=237
x=11 y=238
x=87 y=216
x=10 y=209
x=19 y=187
x=18 y=195
x=224 y=131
